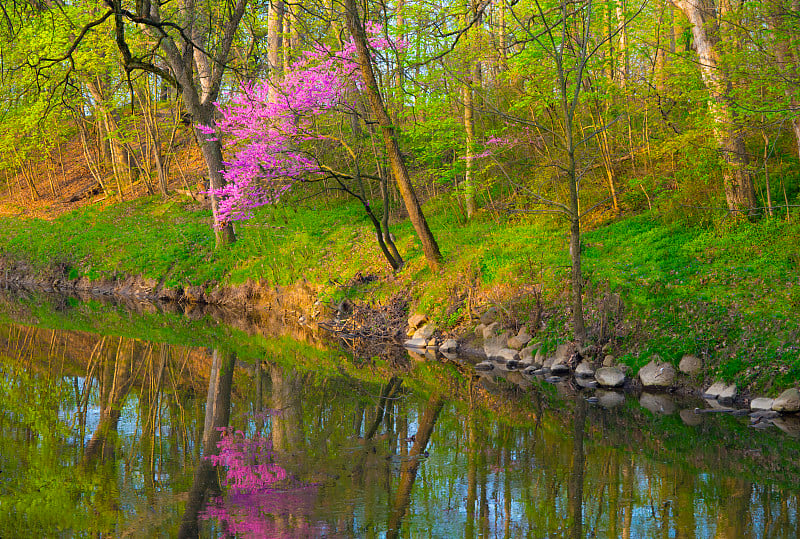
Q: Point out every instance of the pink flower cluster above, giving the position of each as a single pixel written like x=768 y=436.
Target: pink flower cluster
x=267 y=123
x=261 y=495
x=249 y=461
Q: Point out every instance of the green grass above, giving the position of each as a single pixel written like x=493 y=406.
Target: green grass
x=727 y=293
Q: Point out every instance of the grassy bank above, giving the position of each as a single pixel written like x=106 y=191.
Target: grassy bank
x=728 y=293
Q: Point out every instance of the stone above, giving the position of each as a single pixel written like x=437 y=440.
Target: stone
x=657 y=374
x=417 y=320
x=761 y=403
x=584 y=370
x=714 y=390
x=489 y=316
x=586 y=383
x=559 y=368
x=493 y=345
x=690 y=365
x=658 y=403
x=530 y=371
x=479 y=330
x=609 y=399
x=490 y=330
x=539 y=358
x=425 y=332
x=508 y=354
x=448 y=346
x=564 y=352
x=519 y=340
x=689 y=417
x=432 y=342
x=416 y=343
x=788 y=401
x=728 y=393
x=512 y=364
x=548 y=362
x=609 y=376
x=526 y=355
x=484 y=366
x=608 y=361
x=561 y=358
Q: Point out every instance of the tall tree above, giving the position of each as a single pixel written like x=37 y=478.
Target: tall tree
x=356 y=29
x=738 y=182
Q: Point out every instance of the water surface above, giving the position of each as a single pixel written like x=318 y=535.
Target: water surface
x=108 y=417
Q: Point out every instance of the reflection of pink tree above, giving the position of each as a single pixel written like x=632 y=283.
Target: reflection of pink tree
x=262 y=500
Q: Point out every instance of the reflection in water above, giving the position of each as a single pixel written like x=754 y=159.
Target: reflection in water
x=218 y=410
x=106 y=435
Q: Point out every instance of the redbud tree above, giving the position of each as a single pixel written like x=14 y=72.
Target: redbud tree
x=272 y=131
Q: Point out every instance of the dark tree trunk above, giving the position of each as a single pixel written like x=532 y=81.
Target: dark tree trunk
x=399 y=170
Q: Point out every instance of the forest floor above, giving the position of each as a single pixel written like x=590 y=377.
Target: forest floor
x=728 y=293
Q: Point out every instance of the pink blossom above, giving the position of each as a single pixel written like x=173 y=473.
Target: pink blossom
x=266 y=125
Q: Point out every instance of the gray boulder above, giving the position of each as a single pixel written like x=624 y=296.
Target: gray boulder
x=561 y=358
x=449 y=346
x=761 y=403
x=526 y=355
x=425 y=332
x=416 y=343
x=728 y=393
x=690 y=365
x=608 y=361
x=788 y=401
x=490 y=330
x=714 y=390
x=507 y=354
x=584 y=370
x=416 y=321
x=609 y=376
x=539 y=358
x=657 y=374
x=518 y=341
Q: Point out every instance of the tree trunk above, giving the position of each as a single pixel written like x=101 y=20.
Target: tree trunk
x=469 y=128
x=738 y=183
x=399 y=170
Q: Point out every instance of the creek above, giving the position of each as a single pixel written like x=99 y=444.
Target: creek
x=112 y=420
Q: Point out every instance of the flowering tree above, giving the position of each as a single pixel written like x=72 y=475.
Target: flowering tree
x=273 y=130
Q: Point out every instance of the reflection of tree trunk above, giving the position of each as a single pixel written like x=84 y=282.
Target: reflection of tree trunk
x=408 y=473
x=472 y=476
x=218 y=409
x=116 y=383
x=388 y=391
x=287 y=424
x=575 y=487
